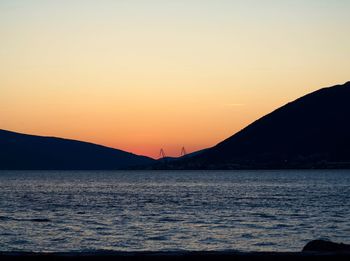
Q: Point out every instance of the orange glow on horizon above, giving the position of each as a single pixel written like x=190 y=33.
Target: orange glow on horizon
x=145 y=75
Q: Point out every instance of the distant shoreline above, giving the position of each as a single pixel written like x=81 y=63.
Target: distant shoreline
x=187 y=169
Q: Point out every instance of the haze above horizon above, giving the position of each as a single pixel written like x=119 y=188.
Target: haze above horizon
x=141 y=75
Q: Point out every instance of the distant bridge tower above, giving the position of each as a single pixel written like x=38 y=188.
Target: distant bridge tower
x=183 y=152
x=162 y=153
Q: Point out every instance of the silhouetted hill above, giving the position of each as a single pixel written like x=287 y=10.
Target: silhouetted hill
x=310 y=132
x=21 y=151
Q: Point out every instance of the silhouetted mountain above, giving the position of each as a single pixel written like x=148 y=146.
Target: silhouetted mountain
x=22 y=151
x=310 y=132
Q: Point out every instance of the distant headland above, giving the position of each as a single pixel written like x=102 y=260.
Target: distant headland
x=29 y=152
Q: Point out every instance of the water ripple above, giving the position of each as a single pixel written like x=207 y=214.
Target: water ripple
x=145 y=210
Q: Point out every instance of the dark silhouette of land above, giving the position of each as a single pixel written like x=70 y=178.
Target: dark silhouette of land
x=29 y=152
x=310 y=132
x=324 y=251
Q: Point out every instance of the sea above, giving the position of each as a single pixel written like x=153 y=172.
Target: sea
x=77 y=211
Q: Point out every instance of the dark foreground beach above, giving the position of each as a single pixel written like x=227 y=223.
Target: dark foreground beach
x=314 y=250
x=225 y=255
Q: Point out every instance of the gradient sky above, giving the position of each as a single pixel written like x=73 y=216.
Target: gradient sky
x=141 y=75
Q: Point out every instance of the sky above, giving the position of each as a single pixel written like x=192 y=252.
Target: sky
x=140 y=75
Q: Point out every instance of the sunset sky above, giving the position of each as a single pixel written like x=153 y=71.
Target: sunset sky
x=150 y=74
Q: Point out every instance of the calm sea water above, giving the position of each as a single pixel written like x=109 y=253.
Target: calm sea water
x=172 y=210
